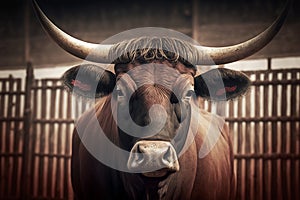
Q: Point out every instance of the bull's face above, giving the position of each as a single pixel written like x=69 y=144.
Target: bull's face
x=153 y=101
x=153 y=106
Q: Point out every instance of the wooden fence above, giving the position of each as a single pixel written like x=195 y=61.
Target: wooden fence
x=266 y=134
x=36 y=124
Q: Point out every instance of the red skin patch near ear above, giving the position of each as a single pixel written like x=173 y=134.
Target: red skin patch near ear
x=80 y=85
x=226 y=89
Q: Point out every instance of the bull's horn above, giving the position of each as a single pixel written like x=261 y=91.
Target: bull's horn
x=207 y=55
x=85 y=50
x=223 y=55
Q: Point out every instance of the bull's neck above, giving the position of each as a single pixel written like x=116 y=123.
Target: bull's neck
x=147 y=190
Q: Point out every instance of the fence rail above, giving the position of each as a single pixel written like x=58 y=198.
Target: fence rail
x=36 y=123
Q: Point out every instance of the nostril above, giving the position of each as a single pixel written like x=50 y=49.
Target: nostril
x=141 y=149
x=139 y=158
x=139 y=154
x=167 y=155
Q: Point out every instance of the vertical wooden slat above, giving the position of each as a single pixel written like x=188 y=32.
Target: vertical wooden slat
x=8 y=141
x=67 y=173
x=274 y=180
x=231 y=127
x=2 y=144
x=248 y=178
x=240 y=184
x=298 y=131
x=266 y=186
x=42 y=140
x=50 y=140
x=60 y=134
x=209 y=106
x=231 y=115
x=293 y=139
x=16 y=166
x=257 y=142
x=34 y=139
x=279 y=124
x=283 y=148
x=6 y=148
x=298 y=168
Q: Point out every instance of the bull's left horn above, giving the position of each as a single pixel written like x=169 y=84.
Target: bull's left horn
x=223 y=55
x=84 y=50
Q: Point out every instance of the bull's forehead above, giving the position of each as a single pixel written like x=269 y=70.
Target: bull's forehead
x=120 y=69
x=154 y=74
x=172 y=76
x=157 y=74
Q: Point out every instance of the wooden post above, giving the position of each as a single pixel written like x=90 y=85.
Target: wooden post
x=27 y=150
x=269 y=63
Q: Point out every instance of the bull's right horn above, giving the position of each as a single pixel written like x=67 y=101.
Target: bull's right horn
x=223 y=55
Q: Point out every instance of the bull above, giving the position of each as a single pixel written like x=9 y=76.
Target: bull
x=148 y=109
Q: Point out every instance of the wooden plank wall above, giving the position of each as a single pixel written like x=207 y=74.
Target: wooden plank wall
x=266 y=132
x=11 y=136
x=52 y=128
x=265 y=127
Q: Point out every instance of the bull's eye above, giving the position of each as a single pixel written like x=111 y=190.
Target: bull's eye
x=119 y=93
x=189 y=94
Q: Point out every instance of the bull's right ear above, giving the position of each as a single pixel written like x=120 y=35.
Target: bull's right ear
x=221 y=84
x=89 y=81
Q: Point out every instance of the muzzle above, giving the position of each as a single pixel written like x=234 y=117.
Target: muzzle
x=153 y=158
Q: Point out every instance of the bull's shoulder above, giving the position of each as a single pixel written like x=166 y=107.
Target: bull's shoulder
x=214 y=162
x=213 y=133
x=209 y=122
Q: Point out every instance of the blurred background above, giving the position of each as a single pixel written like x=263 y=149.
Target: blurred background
x=36 y=116
x=211 y=23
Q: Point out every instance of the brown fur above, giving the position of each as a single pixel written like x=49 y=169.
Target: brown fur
x=208 y=178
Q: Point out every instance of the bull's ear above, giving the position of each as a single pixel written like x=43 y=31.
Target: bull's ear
x=90 y=81
x=221 y=84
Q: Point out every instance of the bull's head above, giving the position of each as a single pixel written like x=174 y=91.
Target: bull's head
x=151 y=71
x=154 y=96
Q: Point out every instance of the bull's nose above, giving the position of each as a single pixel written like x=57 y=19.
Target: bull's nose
x=152 y=156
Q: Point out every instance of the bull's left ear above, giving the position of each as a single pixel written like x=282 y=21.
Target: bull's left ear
x=221 y=84
x=89 y=81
